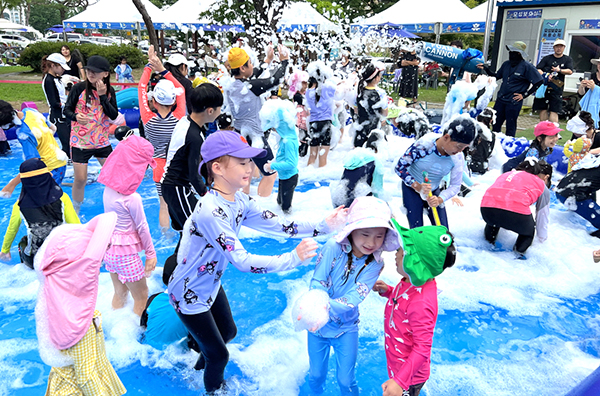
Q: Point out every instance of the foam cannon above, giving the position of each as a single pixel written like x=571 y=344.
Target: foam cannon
x=458 y=59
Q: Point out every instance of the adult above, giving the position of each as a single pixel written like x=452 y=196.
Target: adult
x=556 y=66
x=519 y=80
x=577 y=190
x=345 y=65
x=592 y=102
x=178 y=65
x=409 y=80
x=74 y=62
x=594 y=80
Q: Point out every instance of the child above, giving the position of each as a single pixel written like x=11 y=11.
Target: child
x=69 y=328
x=580 y=144
x=90 y=105
x=319 y=97
x=371 y=102
x=506 y=204
x=36 y=135
x=42 y=204
x=244 y=101
x=363 y=176
x=546 y=136
x=123 y=71
x=210 y=242
x=53 y=67
x=483 y=147
x=281 y=116
x=437 y=156
x=347 y=269
x=122 y=174
x=168 y=100
x=302 y=112
x=412 y=307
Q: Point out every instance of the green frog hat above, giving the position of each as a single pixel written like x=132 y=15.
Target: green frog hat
x=425 y=250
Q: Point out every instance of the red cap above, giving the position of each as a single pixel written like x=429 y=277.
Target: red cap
x=546 y=128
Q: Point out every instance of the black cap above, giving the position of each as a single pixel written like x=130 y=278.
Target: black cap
x=98 y=64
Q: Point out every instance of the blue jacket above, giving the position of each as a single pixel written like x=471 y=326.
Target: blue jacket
x=286 y=163
x=330 y=273
x=323 y=109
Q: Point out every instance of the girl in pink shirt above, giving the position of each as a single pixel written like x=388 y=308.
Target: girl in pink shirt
x=412 y=307
x=122 y=174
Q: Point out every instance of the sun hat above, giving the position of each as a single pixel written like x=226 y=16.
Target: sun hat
x=226 y=142
x=38 y=187
x=178 y=59
x=165 y=93
x=425 y=250
x=547 y=128
x=559 y=42
x=68 y=264
x=577 y=126
x=97 y=64
x=126 y=166
x=58 y=58
x=520 y=47
x=237 y=57
x=370 y=212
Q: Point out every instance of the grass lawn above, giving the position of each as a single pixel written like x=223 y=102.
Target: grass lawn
x=14 y=69
x=22 y=92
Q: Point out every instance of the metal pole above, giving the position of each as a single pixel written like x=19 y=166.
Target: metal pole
x=437 y=28
x=488 y=27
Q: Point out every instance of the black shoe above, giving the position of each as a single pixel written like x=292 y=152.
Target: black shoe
x=596 y=234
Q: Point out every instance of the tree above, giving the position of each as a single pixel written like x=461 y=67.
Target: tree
x=148 y=21
x=7 y=4
x=353 y=8
x=473 y=3
x=162 y=3
x=43 y=16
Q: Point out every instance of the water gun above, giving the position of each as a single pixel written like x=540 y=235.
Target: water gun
x=436 y=216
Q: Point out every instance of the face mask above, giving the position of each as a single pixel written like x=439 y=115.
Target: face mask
x=514 y=58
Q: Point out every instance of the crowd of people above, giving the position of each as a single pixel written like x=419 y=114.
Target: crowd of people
x=206 y=142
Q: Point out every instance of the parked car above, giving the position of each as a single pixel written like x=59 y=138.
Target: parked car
x=14 y=40
x=70 y=37
x=120 y=40
x=102 y=40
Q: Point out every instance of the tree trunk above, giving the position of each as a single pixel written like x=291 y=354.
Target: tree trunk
x=148 y=21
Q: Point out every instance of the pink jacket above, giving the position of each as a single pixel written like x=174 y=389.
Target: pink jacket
x=514 y=191
x=132 y=234
x=69 y=265
x=410 y=316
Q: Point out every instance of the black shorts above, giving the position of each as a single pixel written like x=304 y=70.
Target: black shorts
x=260 y=162
x=82 y=156
x=552 y=102
x=320 y=133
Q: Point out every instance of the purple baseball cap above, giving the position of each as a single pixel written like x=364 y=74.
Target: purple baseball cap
x=226 y=142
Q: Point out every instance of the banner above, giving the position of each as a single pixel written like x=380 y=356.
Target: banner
x=552 y=30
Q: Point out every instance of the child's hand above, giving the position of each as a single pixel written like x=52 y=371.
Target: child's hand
x=155 y=61
x=456 y=201
x=391 y=388
x=306 y=249
x=5 y=257
x=337 y=218
x=380 y=287
x=283 y=52
x=101 y=87
x=425 y=188
x=150 y=266
x=434 y=201
x=82 y=119
x=270 y=54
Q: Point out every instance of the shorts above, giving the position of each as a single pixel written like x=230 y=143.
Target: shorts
x=129 y=267
x=82 y=156
x=58 y=174
x=320 y=133
x=260 y=162
x=551 y=102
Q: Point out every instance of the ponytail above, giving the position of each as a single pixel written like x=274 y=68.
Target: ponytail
x=46 y=64
x=369 y=74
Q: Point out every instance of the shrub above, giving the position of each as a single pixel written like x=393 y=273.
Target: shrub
x=32 y=55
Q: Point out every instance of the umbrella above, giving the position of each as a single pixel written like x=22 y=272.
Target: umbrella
x=59 y=29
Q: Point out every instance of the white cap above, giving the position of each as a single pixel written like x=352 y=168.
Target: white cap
x=178 y=59
x=58 y=58
x=559 y=42
x=165 y=92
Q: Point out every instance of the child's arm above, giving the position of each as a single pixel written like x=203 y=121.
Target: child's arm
x=109 y=104
x=421 y=316
x=220 y=234
x=11 y=231
x=193 y=163
x=412 y=154
x=542 y=217
x=383 y=289
x=145 y=113
x=136 y=210
x=286 y=163
x=68 y=210
x=262 y=85
x=455 y=178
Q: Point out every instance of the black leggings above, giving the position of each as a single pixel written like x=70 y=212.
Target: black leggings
x=212 y=330
x=285 y=193
x=524 y=225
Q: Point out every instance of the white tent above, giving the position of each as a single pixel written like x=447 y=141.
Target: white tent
x=412 y=12
x=112 y=14
x=479 y=13
x=303 y=16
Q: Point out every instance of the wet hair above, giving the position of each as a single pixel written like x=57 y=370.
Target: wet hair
x=209 y=176
x=46 y=64
x=224 y=121
x=347 y=271
x=546 y=169
x=89 y=87
x=457 y=43
x=364 y=78
x=450 y=253
x=313 y=81
x=236 y=71
x=175 y=71
x=205 y=96
x=587 y=118
x=486 y=117
x=6 y=113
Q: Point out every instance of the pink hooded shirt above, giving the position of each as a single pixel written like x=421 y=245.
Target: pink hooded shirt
x=122 y=174
x=69 y=266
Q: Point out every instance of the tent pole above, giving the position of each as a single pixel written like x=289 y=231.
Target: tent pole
x=438 y=30
x=139 y=31
x=488 y=28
